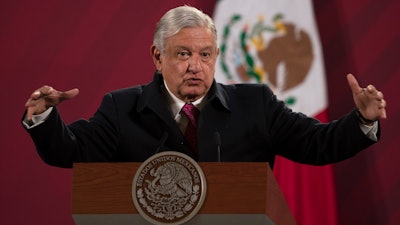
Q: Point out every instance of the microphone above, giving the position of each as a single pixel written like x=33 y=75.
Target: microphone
x=217 y=139
x=162 y=142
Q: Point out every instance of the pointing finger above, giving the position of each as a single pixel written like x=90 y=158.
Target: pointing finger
x=353 y=83
x=69 y=94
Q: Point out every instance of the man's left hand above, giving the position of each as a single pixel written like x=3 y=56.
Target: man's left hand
x=369 y=101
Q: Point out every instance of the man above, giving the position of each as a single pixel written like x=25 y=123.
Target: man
x=245 y=120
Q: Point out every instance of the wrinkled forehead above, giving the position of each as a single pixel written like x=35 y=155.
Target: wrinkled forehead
x=192 y=38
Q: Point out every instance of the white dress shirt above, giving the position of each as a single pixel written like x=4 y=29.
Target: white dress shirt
x=175 y=105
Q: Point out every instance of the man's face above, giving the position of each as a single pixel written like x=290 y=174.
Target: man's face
x=188 y=63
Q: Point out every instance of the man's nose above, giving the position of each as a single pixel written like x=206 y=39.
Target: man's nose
x=195 y=64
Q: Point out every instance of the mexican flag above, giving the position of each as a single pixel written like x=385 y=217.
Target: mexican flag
x=276 y=42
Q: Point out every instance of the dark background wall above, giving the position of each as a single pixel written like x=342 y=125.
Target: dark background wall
x=102 y=45
x=363 y=37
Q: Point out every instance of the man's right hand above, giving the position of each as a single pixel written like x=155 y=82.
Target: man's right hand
x=46 y=97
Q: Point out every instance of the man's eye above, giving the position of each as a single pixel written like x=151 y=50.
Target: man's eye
x=183 y=55
x=205 y=55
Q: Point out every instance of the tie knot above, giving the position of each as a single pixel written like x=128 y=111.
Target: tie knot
x=191 y=112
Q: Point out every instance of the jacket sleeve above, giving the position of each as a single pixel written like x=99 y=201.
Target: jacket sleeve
x=90 y=140
x=307 y=140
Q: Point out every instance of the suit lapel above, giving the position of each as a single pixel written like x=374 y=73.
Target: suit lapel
x=214 y=118
x=155 y=113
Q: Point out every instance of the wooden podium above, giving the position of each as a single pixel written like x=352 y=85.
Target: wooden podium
x=237 y=193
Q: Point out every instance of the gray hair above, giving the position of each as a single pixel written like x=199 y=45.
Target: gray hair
x=178 y=18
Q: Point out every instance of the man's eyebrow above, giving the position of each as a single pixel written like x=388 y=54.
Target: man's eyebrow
x=181 y=47
x=207 y=48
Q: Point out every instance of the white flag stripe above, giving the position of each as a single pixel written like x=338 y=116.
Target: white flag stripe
x=310 y=94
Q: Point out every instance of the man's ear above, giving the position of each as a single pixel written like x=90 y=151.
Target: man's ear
x=156 y=54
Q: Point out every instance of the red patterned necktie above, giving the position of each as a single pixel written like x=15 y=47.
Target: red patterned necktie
x=192 y=113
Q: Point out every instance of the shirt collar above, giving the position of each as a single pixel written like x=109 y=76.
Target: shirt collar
x=176 y=104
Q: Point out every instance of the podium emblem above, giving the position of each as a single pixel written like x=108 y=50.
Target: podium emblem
x=168 y=188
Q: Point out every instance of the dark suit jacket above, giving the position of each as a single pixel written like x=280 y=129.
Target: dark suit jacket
x=253 y=126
